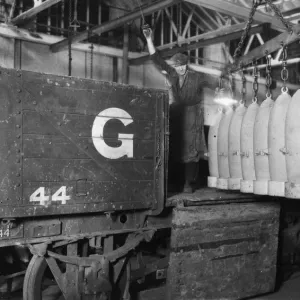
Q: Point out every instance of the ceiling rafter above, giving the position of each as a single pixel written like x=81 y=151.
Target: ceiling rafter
x=239 y=11
x=222 y=35
x=200 y=18
x=220 y=16
x=29 y=14
x=271 y=46
x=197 y=24
x=188 y=23
x=173 y=26
x=154 y=22
x=205 y=12
x=107 y=26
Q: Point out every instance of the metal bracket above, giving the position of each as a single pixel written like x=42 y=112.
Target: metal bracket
x=284 y=151
x=245 y=154
x=262 y=152
x=161 y=274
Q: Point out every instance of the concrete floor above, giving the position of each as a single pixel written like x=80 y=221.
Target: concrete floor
x=290 y=290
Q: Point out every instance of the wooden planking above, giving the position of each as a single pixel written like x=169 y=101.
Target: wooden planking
x=208 y=195
x=81 y=83
x=56 y=96
x=35 y=169
x=7 y=52
x=41 y=96
x=35 y=123
x=75 y=208
x=11 y=140
x=10 y=166
x=95 y=191
x=223 y=251
x=58 y=147
x=9 y=104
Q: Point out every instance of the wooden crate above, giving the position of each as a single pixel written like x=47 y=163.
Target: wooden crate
x=225 y=251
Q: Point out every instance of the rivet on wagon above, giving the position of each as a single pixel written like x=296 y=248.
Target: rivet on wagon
x=18 y=136
x=18 y=184
x=18 y=126
x=34 y=102
x=18 y=174
x=86 y=147
x=18 y=90
x=19 y=74
x=59 y=124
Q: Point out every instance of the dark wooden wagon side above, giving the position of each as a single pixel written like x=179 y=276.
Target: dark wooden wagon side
x=82 y=167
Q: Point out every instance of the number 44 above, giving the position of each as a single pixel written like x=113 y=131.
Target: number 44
x=59 y=195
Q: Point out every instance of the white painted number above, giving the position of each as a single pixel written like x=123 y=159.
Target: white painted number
x=39 y=196
x=59 y=195
x=4 y=232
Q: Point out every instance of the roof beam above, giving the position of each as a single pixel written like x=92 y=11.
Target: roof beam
x=107 y=26
x=21 y=34
x=200 y=18
x=272 y=45
x=29 y=14
x=232 y=9
x=209 y=38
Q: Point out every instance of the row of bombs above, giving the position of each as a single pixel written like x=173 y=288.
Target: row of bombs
x=257 y=149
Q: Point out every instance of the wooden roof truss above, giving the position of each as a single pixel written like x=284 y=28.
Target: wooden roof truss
x=179 y=25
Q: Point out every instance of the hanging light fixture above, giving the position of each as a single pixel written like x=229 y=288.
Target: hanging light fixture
x=224 y=96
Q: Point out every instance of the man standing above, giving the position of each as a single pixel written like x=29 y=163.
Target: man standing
x=187 y=140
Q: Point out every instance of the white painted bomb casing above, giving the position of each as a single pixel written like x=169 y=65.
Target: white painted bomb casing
x=247 y=157
x=292 y=140
x=213 y=150
x=261 y=149
x=277 y=146
x=222 y=145
x=234 y=147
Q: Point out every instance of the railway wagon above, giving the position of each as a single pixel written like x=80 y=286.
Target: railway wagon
x=84 y=211
x=82 y=178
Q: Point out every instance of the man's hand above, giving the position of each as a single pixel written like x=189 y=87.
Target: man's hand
x=147 y=31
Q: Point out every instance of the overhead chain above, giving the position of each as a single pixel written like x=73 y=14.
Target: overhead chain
x=91 y=57
x=268 y=75
x=255 y=82
x=284 y=71
x=279 y=15
x=238 y=50
x=142 y=15
x=243 y=89
x=70 y=38
x=219 y=90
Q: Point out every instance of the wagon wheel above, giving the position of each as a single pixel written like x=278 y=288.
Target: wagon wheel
x=38 y=285
x=52 y=279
